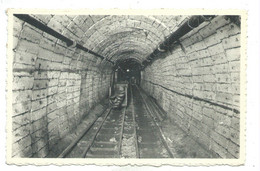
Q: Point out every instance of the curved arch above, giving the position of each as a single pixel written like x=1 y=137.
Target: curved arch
x=113 y=35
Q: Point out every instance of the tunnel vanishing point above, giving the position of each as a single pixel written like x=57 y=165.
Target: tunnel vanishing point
x=126 y=86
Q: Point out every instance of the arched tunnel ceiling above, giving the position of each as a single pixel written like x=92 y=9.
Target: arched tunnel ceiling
x=116 y=36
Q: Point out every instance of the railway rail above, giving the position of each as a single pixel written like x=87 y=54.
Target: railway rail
x=130 y=132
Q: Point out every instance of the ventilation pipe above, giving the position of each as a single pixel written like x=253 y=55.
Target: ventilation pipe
x=70 y=43
x=190 y=24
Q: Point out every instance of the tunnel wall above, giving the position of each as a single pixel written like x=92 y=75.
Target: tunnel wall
x=198 y=85
x=54 y=87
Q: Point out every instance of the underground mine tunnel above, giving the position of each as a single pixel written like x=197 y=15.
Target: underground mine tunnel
x=126 y=86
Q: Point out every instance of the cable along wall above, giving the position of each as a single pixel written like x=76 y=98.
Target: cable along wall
x=54 y=87
x=198 y=85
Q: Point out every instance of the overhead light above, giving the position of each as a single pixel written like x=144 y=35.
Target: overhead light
x=127 y=70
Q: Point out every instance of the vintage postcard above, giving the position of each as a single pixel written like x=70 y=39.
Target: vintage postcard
x=126 y=87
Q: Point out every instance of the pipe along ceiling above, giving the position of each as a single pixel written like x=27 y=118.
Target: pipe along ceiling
x=123 y=41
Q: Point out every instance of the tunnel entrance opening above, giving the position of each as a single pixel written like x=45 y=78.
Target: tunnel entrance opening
x=128 y=70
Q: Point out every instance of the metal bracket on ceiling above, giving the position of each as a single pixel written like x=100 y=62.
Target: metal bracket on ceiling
x=39 y=25
x=186 y=27
x=236 y=19
x=161 y=50
x=181 y=45
x=73 y=45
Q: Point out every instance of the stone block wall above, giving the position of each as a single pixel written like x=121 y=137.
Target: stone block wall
x=198 y=85
x=54 y=87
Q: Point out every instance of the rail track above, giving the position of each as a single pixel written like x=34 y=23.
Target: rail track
x=129 y=132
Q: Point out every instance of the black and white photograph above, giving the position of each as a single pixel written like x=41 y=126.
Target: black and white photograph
x=133 y=85
x=127 y=86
